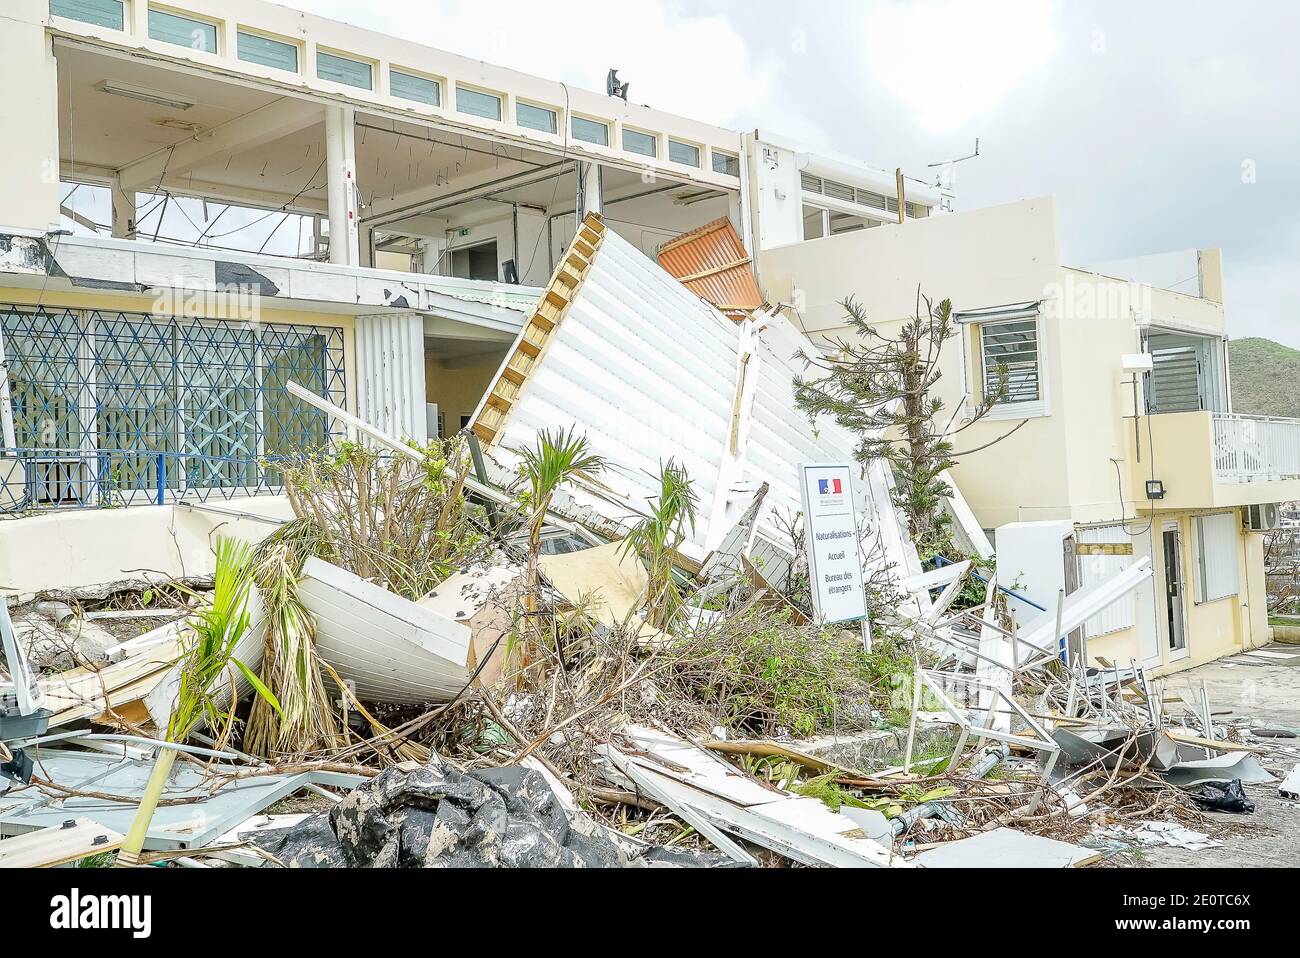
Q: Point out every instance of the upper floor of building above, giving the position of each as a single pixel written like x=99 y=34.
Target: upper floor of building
x=1115 y=395
x=254 y=129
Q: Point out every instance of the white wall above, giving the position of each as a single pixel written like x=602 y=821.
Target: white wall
x=83 y=547
x=29 y=159
x=777 y=198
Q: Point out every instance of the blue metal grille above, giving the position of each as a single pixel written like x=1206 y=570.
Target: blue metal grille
x=113 y=407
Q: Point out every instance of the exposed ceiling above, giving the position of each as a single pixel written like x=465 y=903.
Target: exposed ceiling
x=105 y=130
x=101 y=131
x=401 y=166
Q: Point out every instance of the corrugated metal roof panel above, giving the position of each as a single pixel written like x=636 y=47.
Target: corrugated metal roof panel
x=711 y=262
x=649 y=372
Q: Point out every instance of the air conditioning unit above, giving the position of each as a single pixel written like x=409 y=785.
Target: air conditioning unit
x=1264 y=517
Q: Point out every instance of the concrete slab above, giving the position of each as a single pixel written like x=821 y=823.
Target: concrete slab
x=1263 y=692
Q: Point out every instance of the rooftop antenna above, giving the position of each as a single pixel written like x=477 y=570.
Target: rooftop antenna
x=947 y=177
x=614 y=88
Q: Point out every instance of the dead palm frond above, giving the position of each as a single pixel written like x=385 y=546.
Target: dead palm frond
x=290 y=667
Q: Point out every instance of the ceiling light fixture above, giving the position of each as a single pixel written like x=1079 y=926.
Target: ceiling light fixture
x=140 y=93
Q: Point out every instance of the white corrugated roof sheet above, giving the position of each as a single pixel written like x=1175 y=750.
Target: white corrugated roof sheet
x=649 y=372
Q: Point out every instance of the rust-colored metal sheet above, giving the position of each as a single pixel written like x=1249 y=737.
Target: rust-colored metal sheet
x=712 y=263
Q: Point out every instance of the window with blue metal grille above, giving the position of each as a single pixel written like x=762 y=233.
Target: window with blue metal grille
x=129 y=407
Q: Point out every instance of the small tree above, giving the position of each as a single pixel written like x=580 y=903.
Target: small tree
x=656 y=538
x=204 y=662
x=557 y=459
x=881 y=389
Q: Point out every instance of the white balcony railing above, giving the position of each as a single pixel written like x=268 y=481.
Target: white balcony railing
x=1255 y=448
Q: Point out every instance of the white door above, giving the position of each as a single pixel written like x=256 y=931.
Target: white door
x=1174 y=592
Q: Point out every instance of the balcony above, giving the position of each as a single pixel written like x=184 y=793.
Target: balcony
x=1255 y=448
x=1210 y=460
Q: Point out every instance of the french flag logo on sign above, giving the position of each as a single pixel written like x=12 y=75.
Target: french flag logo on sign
x=828 y=487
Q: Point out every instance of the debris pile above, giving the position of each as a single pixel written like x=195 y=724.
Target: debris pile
x=563 y=639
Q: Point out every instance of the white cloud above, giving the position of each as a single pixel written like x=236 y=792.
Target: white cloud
x=950 y=61
x=694 y=65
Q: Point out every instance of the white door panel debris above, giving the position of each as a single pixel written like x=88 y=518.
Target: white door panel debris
x=389 y=648
x=1007 y=848
x=800 y=828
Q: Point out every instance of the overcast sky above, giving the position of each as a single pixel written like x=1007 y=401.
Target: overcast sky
x=1161 y=125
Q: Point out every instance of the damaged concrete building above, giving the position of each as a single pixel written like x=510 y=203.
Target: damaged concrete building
x=214 y=199
x=217 y=199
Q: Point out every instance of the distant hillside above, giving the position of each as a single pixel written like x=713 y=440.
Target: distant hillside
x=1265 y=377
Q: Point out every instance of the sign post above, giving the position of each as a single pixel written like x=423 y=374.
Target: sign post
x=830 y=524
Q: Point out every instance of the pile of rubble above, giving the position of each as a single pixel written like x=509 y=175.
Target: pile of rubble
x=594 y=648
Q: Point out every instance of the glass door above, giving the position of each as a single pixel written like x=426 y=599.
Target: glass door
x=1174 y=600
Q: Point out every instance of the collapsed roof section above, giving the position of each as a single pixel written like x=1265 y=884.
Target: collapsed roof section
x=620 y=351
x=712 y=263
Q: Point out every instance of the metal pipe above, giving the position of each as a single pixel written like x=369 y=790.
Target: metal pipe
x=929 y=809
x=132 y=739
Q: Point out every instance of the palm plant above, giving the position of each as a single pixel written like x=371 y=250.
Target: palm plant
x=557 y=458
x=217 y=630
x=656 y=538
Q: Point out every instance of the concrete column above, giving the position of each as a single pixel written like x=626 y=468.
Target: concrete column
x=590 y=196
x=341 y=166
x=365 y=245
x=123 y=211
x=29 y=162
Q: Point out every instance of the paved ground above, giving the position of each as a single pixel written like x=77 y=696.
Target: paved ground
x=1263 y=692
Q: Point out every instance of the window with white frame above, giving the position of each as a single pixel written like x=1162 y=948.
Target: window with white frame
x=687 y=154
x=535 y=117
x=589 y=131
x=645 y=144
x=478 y=103
x=1009 y=358
x=182 y=31
x=99 y=13
x=1216 y=556
x=277 y=54
x=349 y=72
x=728 y=164
x=409 y=86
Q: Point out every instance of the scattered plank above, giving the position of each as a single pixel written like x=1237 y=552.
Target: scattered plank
x=1187 y=738
x=58 y=844
x=764 y=749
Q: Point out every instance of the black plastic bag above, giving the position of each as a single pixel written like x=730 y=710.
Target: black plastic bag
x=1216 y=797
